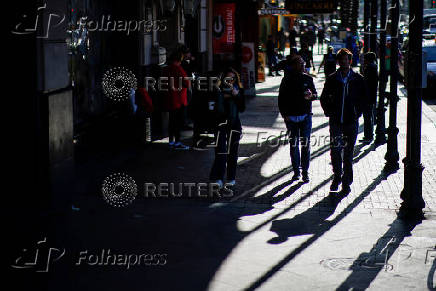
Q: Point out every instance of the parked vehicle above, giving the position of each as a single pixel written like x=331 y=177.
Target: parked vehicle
x=429 y=48
x=429 y=26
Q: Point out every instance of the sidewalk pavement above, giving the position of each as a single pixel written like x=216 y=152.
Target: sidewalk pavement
x=271 y=235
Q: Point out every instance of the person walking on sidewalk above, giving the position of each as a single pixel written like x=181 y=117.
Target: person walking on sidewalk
x=285 y=64
x=229 y=102
x=321 y=37
x=329 y=62
x=370 y=75
x=271 y=56
x=307 y=56
x=176 y=99
x=292 y=37
x=296 y=94
x=342 y=101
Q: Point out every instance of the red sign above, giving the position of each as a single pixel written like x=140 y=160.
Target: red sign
x=247 y=54
x=223 y=28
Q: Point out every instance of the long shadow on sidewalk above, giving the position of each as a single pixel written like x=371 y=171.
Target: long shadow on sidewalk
x=368 y=265
x=317 y=232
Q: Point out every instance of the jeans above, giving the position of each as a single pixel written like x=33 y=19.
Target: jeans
x=343 y=138
x=369 y=121
x=226 y=151
x=299 y=132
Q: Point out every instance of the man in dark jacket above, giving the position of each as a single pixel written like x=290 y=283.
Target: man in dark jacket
x=342 y=101
x=296 y=94
x=370 y=75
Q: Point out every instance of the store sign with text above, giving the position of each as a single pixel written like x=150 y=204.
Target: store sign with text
x=311 y=6
x=223 y=28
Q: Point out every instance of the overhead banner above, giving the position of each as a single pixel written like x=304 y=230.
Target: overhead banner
x=270 y=11
x=311 y=6
x=248 y=68
x=223 y=28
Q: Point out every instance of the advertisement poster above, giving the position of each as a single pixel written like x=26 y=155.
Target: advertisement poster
x=247 y=68
x=261 y=67
x=223 y=28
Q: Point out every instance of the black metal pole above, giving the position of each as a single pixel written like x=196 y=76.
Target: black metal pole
x=413 y=203
x=373 y=29
x=392 y=156
x=366 y=12
x=381 y=126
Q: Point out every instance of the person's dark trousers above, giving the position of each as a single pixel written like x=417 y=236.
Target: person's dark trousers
x=272 y=63
x=140 y=125
x=320 y=45
x=175 y=124
x=343 y=138
x=369 y=121
x=299 y=133
x=226 y=152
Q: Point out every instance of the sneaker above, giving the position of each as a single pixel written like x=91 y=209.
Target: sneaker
x=171 y=144
x=346 y=189
x=278 y=74
x=200 y=145
x=366 y=140
x=295 y=177
x=180 y=146
x=306 y=178
x=220 y=183
x=335 y=184
x=231 y=183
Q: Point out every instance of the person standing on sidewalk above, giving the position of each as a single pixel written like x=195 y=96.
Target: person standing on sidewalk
x=342 y=100
x=296 y=94
x=370 y=75
x=176 y=99
x=229 y=102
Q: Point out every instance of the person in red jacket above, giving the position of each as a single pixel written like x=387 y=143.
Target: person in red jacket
x=176 y=99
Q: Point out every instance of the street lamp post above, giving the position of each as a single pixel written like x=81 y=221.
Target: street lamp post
x=392 y=155
x=373 y=29
x=381 y=127
x=413 y=203
x=366 y=12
